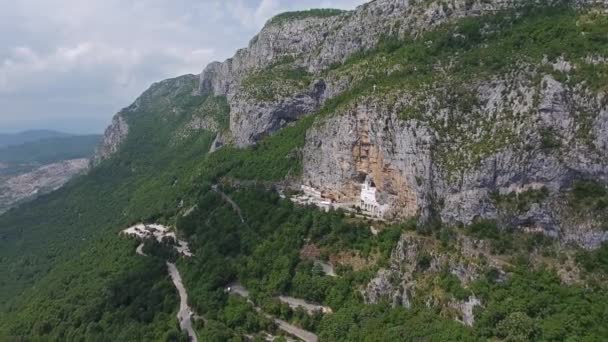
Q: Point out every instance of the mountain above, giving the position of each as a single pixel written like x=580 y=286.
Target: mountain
x=457 y=149
x=49 y=150
x=28 y=136
x=33 y=168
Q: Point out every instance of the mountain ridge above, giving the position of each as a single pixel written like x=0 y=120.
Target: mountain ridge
x=309 y=81
x=8 y=139
x=458 y=164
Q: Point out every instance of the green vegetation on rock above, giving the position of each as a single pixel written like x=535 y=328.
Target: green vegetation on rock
x=279 y=80
x=442 y=68
x=299 y=15
x=69 y=275
x=520 y=202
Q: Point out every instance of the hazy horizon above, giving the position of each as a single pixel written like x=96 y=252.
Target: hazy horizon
x=63 y=125
x=70 y=66
x=17 y=132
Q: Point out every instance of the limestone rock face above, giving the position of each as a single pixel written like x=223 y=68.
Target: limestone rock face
x=112 y=138
x=425 y=165
x=315 y=44
x=159 y=94
x=523 y=131
x=416 y=258
x=251 y=119
x=369 y=140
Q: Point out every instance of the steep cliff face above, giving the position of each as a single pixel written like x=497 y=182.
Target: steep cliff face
x=112 y=138
x=314 y=44
x=522 y=135
x=254 y=115
x=370 y=140
x=414 y=99
x=160 y=96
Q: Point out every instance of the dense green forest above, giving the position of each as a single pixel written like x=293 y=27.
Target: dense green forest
x=67 y=274
x=263 y=254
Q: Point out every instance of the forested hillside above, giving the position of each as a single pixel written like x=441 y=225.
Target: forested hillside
x=495 y=223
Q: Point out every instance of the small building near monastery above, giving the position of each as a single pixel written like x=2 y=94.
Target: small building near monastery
x=367 y=201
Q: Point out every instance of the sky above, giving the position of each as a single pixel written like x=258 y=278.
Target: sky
x=70 y=65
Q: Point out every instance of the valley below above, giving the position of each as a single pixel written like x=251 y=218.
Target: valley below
x=15 y=189
x=41 y=165
x=423 y=170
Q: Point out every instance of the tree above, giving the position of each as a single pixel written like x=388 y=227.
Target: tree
x=517 y=327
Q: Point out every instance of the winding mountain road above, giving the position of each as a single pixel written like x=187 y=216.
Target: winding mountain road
x=302 y=334
x=291 y=329
x=229 y=200
x=328 y=269
x=140 y=249
x=184 y=315
x=295 y=303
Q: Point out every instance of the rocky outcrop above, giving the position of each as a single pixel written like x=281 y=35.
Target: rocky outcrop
x=369 y=140
x=316 y=44
x=521 y=136
x=442 y=151
x=466 y=310
x=158 y=97
x=252 y=118
x=417 y=259
x=112 y=138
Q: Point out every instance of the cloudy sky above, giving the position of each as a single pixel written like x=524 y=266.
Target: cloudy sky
x=71 y=64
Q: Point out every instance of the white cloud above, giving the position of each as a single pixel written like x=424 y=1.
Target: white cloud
x=85 y=59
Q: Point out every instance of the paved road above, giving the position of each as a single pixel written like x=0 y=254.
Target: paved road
x=227 y=198
x=295 y=303
x=327 y=268
x=237 y=288
x=302 y=334
x=140 y=249
x=291 y=329
x=184 y=315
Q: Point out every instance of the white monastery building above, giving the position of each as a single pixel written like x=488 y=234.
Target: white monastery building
x=368 y=201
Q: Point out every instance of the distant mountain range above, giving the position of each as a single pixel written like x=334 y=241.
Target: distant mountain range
x=8 y=139
x=49 y=149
